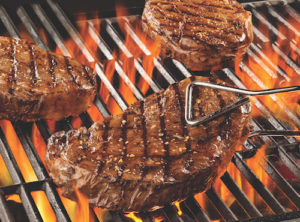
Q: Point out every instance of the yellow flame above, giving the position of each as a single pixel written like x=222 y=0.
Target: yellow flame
x=134 y=217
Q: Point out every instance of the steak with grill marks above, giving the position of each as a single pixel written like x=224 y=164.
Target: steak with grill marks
x=37 y=84
x=148 y=156
x=202 y=34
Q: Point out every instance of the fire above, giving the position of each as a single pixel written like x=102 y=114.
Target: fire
x=83 y=209
x=18 y=151
x=5 y=178
x=134 y=217
x=43 y=206
x=179 y=211
x=14 y=197
x=265 y=71
x=261 y=77
x=39 y=143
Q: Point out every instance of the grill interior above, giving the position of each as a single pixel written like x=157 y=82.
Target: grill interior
x=48 y=25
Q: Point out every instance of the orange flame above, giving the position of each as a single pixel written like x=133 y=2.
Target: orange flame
x=14 y=197
x=82 y=210
x=179 y=211
x=134 y=217
x=5 y=178
x=39 y=143
x=18 y=151
x=43 y=206
x=262 y=72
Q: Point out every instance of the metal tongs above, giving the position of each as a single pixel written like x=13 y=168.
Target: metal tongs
x=188 y=106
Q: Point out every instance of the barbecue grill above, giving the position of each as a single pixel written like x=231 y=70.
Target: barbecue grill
x=61 y=26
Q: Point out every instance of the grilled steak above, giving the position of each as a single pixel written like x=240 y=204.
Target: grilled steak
x=148 y=156
x=202 y=34
x=36 y=84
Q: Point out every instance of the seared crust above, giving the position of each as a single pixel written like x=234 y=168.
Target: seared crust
x=36 y=84
x=202 y=34
x=148 y=156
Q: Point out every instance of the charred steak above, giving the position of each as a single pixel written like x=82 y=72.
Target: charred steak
x=148 y=156
x=37 y=84
x=202 y=34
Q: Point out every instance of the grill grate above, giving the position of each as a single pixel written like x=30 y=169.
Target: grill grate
x=49 y=17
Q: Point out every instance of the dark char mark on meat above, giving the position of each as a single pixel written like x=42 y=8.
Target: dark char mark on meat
x=206 y=125
x=145 y=169
x=12 y=78
x=104 y=146
x=125 y=142
x=183 y=126
x=33 y=67
x=187 y=12
x=163 y=136
x=86 y=73
x=52 y=64
x=221 y=100
x=70 y=71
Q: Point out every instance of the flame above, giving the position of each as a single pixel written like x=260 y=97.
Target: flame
x=179 y=211
x=134 y=217
x=43 y=206
x=128 y=62
x=268 y=75
x=5 y=178
x=14 y=197
x=82 y=210
x=18 y=151
x=99 y=213
x=39 y=143
x=158 y=219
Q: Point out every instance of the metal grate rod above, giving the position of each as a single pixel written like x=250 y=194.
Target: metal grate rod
x=225 y=212
x=257 y=184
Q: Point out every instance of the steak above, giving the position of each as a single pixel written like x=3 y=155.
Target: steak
x=37 y=84
x=148 y=156
x=202 y=34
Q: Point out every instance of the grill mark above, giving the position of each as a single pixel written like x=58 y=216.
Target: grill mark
x=88 y=77
x=52 y=64
x=182 y=119
x=125 y=142
x=206 y=125
x=145 y=169
x=70 y=71
x=199 y=4
x=204 y=25
x=186 y=12
x=184 y=128
x=33 y=67
x=219 y=96
x=161 y=32
x=12 y=77
x=105 y=144
x=163 y=137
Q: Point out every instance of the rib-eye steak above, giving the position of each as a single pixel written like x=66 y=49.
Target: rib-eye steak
x=37 y=84
x=202 y=34
x=148 y=156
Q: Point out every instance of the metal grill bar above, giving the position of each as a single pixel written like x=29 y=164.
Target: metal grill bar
x=240 y=196
x=257 y=184
x=225 y=212
x=190 y=206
